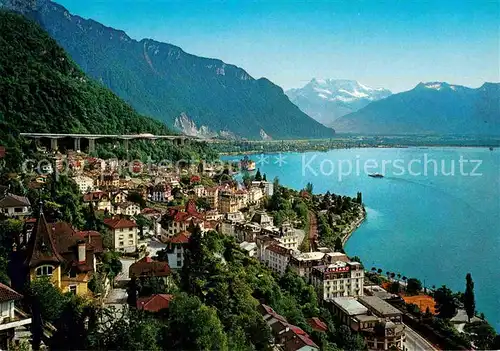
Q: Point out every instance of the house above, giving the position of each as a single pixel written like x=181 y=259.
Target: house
x=255 y=195
x=249 y=248
x=67 y=256
x=199 y=190
x=303 y=263
x=127 y=209
x=159 y=193
x=10 y=317
x=276 y=257
x=176 y=247
x=154 y=303
x=176 y=221
x=13 y=205
x=288 y=236
x=124 y=233
x=99 y=199
x=380 y=323
x=119 y=196
x=85 y=184
x=109 y=180
x=147 y=267
x=287 y=336
x=263 y=219
x=228 y=203
x=268 y=187
x=317 y=324
x=211 y=194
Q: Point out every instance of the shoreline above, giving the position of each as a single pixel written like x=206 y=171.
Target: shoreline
x=354 y=225
x=423 y=147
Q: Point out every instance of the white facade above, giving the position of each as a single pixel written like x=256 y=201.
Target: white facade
x=276 y=257
x=125 y=239
x=85 y=184
x=339 y=279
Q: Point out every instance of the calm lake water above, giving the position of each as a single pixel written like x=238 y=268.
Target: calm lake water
x=422 y=221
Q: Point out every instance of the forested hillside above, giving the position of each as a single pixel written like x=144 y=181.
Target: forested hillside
x=43 y=90
x=163 y=81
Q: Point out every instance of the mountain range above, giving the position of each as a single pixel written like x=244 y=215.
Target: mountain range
x=429 y=108
x=195 y=94
x=326 y=100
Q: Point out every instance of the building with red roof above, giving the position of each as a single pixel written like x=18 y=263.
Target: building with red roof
x=66 y=255
x=147 y=267
x=177 y=220
x=176 y=248
x=124 y=233
x=288 y=336
x=317 y=324
x=154 y=303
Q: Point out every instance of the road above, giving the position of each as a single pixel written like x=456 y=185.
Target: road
x=414 y=342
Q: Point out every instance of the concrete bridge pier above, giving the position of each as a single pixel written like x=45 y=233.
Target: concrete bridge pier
x=126 y=144
x=53 y=144
x=77 y=146
x=91 y=145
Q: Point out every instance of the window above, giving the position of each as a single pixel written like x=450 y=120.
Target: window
x=131 y=242
x=44 y=271
x=131 y=236
x=121 y=229
x=72 y=273
x=18 y=210
x=120 y=243
x=72 y=289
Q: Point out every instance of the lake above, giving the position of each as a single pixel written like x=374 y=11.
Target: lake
x=434 y=216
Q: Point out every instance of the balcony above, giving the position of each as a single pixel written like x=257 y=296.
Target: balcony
x=20 y=318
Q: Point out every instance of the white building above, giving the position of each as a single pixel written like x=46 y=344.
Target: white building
x=268 y=187
x=276 y=257
x=85 y=184
x=124 y=234
x=250 y=248
x=14 y=206
x=289 y=237
x=338 y=279
x=127 y=209
x=303 y=263
x=10 y=318
x=176 y=247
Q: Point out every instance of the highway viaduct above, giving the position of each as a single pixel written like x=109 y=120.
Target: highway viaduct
x=91 y=138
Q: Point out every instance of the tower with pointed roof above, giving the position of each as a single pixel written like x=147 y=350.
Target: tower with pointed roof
x=42 y=258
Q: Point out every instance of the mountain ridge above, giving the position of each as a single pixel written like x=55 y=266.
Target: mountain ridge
x=430 y=108
x=163 y=81
x=326 y=100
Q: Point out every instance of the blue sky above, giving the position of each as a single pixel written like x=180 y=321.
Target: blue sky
x=392 y=44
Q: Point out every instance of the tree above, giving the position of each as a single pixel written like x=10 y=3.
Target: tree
x=394 y=287
x=194 y=326
x=309 y=188
x=338 y=245
x=446 y=306
x=137 y=198
x=413 y=286
x=469 y=300
x=141 y=223
x=111 y=264
x=379 y=271
x=264 y=177
x=258 y=176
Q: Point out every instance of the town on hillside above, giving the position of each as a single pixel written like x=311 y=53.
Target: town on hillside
x=124 y=239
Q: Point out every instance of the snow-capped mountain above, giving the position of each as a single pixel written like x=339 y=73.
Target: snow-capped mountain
x=325 y=100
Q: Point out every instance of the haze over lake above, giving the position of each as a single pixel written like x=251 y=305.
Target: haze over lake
x=435 y=227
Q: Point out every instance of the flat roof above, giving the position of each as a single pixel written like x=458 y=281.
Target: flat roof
x=379 y=306
x=350 y=305
x=306 y=256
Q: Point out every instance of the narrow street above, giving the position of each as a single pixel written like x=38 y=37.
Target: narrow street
x=414 y=342
x=313 y=230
